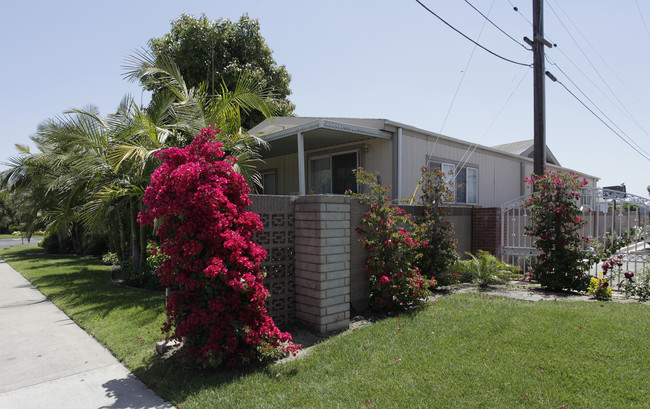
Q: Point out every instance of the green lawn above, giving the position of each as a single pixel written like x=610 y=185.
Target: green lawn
x=11 y=236
x=463 y=351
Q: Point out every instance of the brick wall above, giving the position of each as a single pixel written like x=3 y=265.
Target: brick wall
x=486 y=229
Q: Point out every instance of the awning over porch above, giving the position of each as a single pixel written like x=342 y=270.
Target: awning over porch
x=316 y=134
x=298 y=135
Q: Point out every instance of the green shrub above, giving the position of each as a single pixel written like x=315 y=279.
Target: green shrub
x=145 y=276
x=450 y=277
x=599 y=288
x=51 y=244
x=111 y=259
x=140 y=277
x=485 y=269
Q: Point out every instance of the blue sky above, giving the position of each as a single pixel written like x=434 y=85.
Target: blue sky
x=368 y=58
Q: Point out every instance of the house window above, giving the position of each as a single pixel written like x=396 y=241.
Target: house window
x=463 y=181
x=333 y=173
x=269 y=183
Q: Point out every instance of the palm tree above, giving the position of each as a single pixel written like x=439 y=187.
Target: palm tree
x=193 y=109
x=71 y=164
x=91 y=172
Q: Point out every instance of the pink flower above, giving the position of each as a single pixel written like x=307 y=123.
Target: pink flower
x=200 y=202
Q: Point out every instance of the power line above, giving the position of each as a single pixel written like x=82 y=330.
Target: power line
x=599 y=89
x=600 y=110
x=463 y=76
x=620 y=103
x=601 y=120
x=496 y=26
x=469 y=39
x=640 y=151
x=642 y=18
x=467 y=155
x=515 y=8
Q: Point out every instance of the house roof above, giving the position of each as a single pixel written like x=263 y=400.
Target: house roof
x=320 y=132
x=282 y=133
x=526 y=149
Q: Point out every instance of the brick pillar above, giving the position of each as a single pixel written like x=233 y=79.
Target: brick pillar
x=486 y=229
x=322 y=254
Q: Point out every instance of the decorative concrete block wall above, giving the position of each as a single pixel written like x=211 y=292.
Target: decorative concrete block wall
x=277 y=238
x=322 y=257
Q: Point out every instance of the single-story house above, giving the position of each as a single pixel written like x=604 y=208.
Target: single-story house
x=317 y=155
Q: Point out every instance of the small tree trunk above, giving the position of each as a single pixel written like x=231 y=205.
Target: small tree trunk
x=122 y=250
x=135 y=244
x=143 y=245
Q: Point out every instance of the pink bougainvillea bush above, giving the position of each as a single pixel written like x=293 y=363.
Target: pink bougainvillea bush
x=217 y=297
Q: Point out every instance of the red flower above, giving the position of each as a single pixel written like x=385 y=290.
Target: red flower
x=199 y=201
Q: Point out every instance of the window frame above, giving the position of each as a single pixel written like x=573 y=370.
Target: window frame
x=329 y=155
x=450 y=165
x=273 y=172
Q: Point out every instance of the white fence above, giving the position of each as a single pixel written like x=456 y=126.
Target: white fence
x=612 y=217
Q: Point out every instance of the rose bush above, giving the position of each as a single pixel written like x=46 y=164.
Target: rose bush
x=212 y=267
x=440 y=252
x=556 y=229
x=637 y=288
x=385 y=231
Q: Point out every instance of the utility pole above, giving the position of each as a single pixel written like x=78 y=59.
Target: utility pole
x=539 y=99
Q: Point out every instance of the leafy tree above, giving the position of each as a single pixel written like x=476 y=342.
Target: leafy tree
x=88 y=179
x=7 y=214
x=218 y=52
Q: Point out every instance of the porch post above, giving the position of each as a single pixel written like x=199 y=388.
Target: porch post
x=398 y=183
x=301 y=165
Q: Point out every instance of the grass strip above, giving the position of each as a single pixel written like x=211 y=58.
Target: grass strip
x=461 y=351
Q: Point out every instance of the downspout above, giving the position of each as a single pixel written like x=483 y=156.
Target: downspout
x=398 y=182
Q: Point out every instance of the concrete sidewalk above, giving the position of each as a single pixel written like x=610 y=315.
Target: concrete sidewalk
x=47 y=361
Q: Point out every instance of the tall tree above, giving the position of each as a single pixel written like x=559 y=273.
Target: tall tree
x=180 y=112
x=90 y=173
x=218 y=52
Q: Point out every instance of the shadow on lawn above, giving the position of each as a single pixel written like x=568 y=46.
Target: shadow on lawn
x=173 y=378
x=176 y=377
x=87 y=279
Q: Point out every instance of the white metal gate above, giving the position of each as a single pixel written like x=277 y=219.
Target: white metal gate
x=609 y=214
